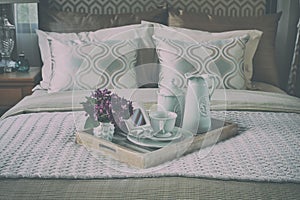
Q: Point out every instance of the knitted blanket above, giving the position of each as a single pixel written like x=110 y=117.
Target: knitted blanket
x=42 y=145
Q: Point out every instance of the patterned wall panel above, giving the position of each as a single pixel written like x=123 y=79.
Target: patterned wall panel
x=104 y=6
x=222 y=7
x=218 y=7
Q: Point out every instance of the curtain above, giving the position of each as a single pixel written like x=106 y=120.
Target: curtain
x=293 y=86
x=295 y=67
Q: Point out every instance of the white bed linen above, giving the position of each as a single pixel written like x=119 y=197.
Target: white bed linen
x=222 y=99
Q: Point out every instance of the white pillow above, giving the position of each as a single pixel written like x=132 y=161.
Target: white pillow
x=224 y=58
x=141 y=32
x=136 y=31
x=107 y=64
x=189 y=35
x=45 y=52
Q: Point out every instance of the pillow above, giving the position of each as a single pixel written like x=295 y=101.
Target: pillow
x=190 y=35
x=66 y=38
x=224 y=58
x=146 y=56
x=117 y=33
x=140 y=32
x=107 y=64
x=265 y=68
x=75 y=22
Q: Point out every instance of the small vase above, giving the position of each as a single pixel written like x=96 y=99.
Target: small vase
x=105 y=131
x=22 y=63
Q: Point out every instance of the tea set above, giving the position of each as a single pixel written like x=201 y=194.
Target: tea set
x=180 y=112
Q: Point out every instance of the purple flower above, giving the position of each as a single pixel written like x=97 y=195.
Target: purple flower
x=105 y=106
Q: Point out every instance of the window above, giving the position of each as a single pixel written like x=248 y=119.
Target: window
x=26 y=13
x=26 y=22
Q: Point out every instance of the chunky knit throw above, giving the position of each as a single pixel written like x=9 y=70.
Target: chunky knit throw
x=267 y=148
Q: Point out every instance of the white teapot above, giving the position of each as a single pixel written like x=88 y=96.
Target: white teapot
x=197 y=117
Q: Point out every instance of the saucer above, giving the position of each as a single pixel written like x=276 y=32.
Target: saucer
x=175 y=134
x=157 y=142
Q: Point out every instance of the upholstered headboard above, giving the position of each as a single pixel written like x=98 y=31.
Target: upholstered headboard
x=217 y=7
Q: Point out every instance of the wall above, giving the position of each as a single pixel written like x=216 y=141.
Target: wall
x=217 y=7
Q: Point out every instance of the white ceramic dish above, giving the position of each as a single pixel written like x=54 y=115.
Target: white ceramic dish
x=178 y=134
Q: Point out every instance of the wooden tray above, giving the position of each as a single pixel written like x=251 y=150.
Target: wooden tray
x=123 y=150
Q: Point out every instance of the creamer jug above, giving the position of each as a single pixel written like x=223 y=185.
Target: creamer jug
x=171 y=98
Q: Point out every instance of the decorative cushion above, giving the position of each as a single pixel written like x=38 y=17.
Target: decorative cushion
x=107 y=64
x=146 y=55
x=224 y=58
x=137 y=31
x=190 y=35
x=264 y=65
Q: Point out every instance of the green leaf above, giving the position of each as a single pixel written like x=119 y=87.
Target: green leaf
x=91 y=100
x=90 y=123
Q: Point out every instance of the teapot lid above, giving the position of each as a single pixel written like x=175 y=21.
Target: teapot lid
x=172 y=90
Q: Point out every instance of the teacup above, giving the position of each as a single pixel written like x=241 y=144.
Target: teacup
x=163 y=121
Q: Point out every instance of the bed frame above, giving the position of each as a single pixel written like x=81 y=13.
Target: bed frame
x=145 y=188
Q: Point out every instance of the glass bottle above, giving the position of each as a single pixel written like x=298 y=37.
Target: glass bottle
x=22 y=63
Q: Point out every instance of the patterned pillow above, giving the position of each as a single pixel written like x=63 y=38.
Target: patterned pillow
x=135 y=31
x=265 y=68
x=190 y=35
x=224 y=58
x=107 y=64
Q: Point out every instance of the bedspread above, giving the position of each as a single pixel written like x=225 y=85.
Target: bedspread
x=43 y=145
x=221 y=100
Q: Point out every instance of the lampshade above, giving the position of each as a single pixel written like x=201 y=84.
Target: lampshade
x=18 y=1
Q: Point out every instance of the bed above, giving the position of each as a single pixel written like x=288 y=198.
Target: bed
x=134 y=55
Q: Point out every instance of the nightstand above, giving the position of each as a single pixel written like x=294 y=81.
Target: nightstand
x=16 y=85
